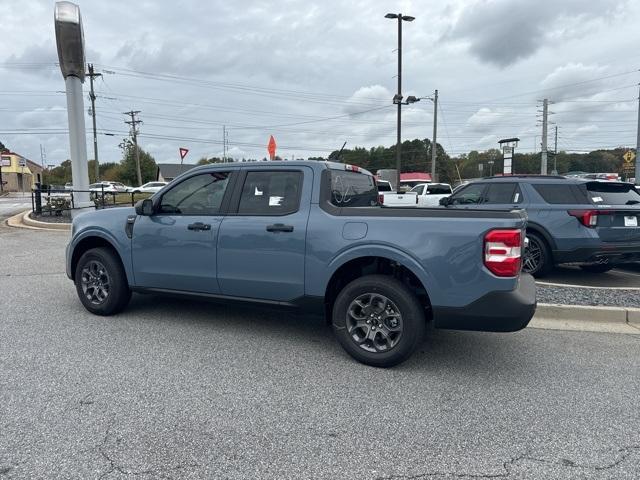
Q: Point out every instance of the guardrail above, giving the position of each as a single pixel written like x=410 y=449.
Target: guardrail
x=54 y=201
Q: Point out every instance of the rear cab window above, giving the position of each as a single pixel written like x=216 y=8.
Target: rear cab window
x=353 y=189
x=438 y=189
x=612 y=193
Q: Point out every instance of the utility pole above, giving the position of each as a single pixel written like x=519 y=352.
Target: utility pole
x=134 y=133
x=224 y=144
x=92 y=96
x=43 y=156
x=545 y=112
x=637 y=172
x=434 y=144
x=555 y=153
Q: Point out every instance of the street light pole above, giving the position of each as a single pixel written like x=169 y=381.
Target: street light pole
x=397 y=99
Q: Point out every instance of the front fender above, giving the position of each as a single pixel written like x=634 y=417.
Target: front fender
x=122 y=246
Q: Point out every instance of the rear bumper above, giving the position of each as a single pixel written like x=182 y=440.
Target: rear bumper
x=603 y=253
x=495 y=312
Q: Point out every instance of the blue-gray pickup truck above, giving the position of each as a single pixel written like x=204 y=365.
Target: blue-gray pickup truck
x=309 y=235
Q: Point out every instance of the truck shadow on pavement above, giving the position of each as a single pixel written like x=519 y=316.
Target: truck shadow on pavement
x=472 y=351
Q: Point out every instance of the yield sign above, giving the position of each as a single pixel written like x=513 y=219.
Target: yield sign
x=183 y=152
x=271 y=147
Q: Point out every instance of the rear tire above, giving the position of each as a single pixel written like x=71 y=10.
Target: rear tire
x=598 y=268
x=101 y=282
x=378 y=320
x=537 y=259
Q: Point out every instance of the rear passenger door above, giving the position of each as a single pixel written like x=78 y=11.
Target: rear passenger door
x=261 y=244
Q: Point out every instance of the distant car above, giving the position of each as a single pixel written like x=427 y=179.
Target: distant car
x=100 y=187
x=592 y=223
x=149 y=187
x=120 y=187
x=429 y=194
x=68 y=186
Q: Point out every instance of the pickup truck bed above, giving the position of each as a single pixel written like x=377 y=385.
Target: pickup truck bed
x=310 y=234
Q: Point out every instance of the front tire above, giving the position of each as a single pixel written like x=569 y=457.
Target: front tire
x=378 y=320
x=537 y=259
x=101 y=282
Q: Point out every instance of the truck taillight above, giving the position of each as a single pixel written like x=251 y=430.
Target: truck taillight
x=381 y=199
x=588 y=218
x=503 y=252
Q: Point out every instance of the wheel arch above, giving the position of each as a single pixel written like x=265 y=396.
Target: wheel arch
x=368 y=264
x=94 y=241
x=542 y=232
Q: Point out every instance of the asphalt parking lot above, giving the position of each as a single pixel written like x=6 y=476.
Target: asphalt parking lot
x=183 y=389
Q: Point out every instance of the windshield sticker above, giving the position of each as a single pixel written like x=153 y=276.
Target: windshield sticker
x=516 y=197
x=597 y=199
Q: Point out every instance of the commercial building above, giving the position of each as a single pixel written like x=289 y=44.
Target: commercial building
x=18 y=174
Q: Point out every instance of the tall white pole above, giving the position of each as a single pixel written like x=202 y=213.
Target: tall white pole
x=77 y=142
x=543 y=163
x=637 y=173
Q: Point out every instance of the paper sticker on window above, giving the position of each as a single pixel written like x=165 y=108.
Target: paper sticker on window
x=275 y=201
x=516 y=197
x=597 y=199
x=257 y=192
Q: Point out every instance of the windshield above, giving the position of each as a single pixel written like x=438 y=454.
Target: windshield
x=613 y=193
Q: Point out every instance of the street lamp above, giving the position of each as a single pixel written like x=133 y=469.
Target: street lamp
x=397 y=99
x=70 y=43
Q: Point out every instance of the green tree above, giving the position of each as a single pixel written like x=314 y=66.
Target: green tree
x=128 y=172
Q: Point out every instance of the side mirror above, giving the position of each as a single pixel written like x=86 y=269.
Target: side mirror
x=144 y=207
x=445 y=202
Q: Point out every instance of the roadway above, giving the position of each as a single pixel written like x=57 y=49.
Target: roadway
x=184 y=389
x=13 y=203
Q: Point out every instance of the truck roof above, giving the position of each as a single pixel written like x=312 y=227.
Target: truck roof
x=285 y=164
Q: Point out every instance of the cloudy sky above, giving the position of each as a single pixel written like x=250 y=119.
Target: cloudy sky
x=316 y=74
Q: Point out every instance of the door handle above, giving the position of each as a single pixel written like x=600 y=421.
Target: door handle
x=279 y=227
x=199 y=226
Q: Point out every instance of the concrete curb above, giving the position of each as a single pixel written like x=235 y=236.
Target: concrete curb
x=587 y=319
x=22 y=220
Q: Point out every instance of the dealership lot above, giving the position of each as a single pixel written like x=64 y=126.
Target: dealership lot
x=180 y=389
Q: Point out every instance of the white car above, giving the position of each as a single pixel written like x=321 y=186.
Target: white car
x=429 y=194
x=149 y=187
x=100 y=187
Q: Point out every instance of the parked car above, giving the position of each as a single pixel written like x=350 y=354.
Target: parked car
x=68 y=186
x=309 y=235
x=587 y=222
x=119 y=187
x=149 y=187
x=429 y=194
x=100 y=187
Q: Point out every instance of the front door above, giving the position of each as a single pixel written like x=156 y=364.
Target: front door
x=175 y=248
x=261 y=245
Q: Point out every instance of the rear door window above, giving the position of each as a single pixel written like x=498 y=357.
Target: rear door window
x=271 y=193
x=612 y=193
x=501 y=193
x=353 y=189
x=561 y=193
